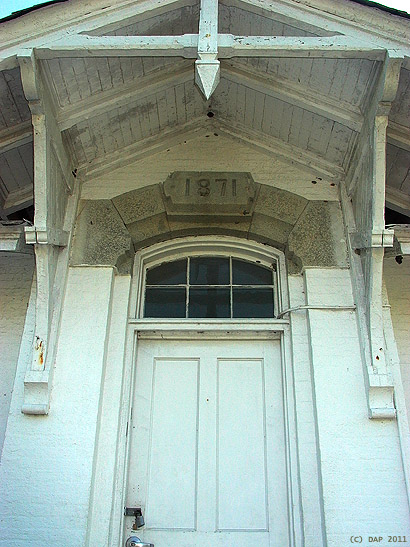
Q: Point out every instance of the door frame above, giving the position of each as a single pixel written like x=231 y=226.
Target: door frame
x=212 y=329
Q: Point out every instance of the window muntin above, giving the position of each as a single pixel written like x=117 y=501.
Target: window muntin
x=209 y=287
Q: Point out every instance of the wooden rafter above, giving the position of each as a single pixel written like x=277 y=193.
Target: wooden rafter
x=297 y=94
x=122 y=95
x=398 y=200
x=19 y=199
x=270 y=84
x=398 y=135
x=15 y=136
x=273 y=146
x=110 y=18
x=341 y=22
x=141 y=149
x=267 y=144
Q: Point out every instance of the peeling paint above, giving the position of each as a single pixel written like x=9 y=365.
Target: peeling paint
x=39 y=348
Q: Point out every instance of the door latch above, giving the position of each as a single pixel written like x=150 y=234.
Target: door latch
x=134 y=541
x=135 y=512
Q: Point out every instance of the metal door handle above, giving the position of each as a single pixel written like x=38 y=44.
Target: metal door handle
x=135 y=541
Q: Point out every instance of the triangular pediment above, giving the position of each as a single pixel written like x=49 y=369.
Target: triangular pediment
x=209 y=149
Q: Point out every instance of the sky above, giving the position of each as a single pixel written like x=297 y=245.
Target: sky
x=8 y=6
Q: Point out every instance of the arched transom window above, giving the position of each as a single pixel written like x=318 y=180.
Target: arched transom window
x=210 y=287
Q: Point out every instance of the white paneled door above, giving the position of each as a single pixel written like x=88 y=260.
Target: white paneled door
x=207 y=447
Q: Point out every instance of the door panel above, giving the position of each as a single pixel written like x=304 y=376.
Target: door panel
x=241 y=453
x=172 y=460
x=207 y=448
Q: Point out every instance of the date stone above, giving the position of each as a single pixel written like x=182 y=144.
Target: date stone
x=209 y=193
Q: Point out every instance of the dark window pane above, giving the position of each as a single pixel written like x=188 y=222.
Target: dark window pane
x=209 y=303
x=247 y=273
x=165 y=302
x=253 y=303
x=170 y=273
x=209 y=271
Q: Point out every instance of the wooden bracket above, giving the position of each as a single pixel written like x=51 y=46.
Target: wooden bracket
x=367 y=233
x=53 y=189
x=383 y=238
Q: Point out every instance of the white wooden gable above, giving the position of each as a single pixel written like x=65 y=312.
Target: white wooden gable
x=294 y=81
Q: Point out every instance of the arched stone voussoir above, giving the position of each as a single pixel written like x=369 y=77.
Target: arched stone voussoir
x=310 y=233
x=100 y=236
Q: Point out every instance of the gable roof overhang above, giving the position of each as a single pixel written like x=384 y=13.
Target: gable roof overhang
x=300 y=97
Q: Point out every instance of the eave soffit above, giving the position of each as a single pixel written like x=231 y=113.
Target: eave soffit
x=334 y=18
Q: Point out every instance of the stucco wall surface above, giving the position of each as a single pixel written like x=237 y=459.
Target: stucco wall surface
x=16 y=273
x=397 y=279
x=47 y=463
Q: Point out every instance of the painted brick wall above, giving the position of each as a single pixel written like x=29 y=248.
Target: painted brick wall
x=16 y=273
x=397 y=279
x=47 y=461
x=362 y=472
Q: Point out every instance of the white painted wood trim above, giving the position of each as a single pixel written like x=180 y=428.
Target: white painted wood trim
x=141 y=149
x=400 y=400
x=398 y=135
x=210 y=245
x=12 y=239
x=320 y=16
x=397 y=200
x=19 y=198
x=186 y=46
x=381 y=30
x=168 y=137
x=276 y=147
x=38 y=383
x=119 y=96
x=18 y=135
x=82 y=45
x=208 y=325
x=208 y=30
x=378 y=387
x=341 y=47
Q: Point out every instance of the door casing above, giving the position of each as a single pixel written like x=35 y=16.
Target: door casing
x=211 y=329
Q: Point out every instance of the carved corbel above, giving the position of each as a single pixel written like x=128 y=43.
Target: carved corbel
x=207 y=66
x=368 y=236
x=52 y=188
